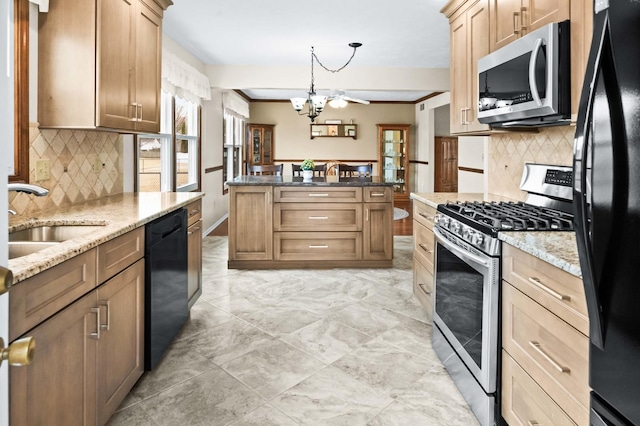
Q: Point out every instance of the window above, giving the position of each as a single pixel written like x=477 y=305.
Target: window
x=232 y=150
x=169 y=161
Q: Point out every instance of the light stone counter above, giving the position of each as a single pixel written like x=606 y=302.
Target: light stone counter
x=556 y=248
x=118 y=213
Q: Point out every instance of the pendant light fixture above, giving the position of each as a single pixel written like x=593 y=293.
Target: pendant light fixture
x=317 y=102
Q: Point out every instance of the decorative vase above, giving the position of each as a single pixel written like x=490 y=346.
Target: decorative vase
x=307 y=175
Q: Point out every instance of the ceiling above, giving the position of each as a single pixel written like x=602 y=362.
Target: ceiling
x=394 y=34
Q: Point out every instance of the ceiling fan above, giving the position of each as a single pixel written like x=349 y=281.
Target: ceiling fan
x=338 y=99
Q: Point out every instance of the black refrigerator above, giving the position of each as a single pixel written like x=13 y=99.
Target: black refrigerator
x=607 y=202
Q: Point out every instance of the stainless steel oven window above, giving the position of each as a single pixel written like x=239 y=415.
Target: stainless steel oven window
x=466 y=305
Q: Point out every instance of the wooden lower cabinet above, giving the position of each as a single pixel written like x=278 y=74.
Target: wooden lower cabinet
x=423 y=254
x=378 y=231
x=250 y=223
x=423 y=286
x=194 y=249
x=545 y=343
x=88 y=357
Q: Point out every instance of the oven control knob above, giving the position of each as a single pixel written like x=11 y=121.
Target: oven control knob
x=467 y=233
x=444 y=221
x=477 y=239
x=455 y=227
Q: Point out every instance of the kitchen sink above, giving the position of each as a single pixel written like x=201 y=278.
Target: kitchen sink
x=52 y=234
x=23 y=248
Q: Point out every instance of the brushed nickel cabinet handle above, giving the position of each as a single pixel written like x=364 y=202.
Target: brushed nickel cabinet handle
x=366 y=215
x=462 y=116
x=536 y=281
x=537 y=348
x=424 y=247
x=318 y=246
x=318 y=217
x=377 y=194
x=106 y=325
x=532 y=423
x=135 y=111
x=314 y=194
x=424 y=289
x=96 y=335
x=523 y=25
x=429 y=218
x=140 y=119
x=515 y=23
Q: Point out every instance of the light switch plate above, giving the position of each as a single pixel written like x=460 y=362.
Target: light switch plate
x=43 y=170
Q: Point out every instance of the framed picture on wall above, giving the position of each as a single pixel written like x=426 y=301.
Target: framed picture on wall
x=332 y=130
x=332 y=121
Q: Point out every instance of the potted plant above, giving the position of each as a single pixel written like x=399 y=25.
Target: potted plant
x=307 y=169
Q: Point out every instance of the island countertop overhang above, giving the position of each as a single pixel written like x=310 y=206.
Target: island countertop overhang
x=316 y=181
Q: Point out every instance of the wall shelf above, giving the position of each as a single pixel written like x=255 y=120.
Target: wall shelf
x=333 y=131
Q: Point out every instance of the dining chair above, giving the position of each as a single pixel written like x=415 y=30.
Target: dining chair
x=320 y=170
x=346 y=170
x=265 y=169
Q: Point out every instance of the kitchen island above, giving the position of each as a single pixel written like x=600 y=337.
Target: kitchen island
x=329 y=222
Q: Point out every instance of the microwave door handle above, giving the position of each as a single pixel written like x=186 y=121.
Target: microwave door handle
x=533 y=85
x=463 y=254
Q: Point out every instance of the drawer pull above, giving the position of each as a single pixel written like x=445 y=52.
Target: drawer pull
x=536 y=346
x=319 y=247
x=429 y=218
x=424 y=247
x=424 y=289
x=318 y=217
x=536 y=281
x=532 y=423
x=323 y=194
x=96 y=335
x=377 y=194
x=193 y=212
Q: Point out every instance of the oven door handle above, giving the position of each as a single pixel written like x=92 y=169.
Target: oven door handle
x=458 y=251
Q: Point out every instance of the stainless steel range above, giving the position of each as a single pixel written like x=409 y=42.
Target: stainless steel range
x=467 y=277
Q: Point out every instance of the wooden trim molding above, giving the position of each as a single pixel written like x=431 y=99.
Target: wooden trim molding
x=429 y=96
x=21 y=97
x=425 y=163
x=469 y=169
x=213 y=169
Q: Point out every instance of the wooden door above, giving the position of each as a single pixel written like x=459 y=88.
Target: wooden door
x=446 y=164
x=538 y=13
x=506 y=22
x=121 y=343
x=116 y=59
x=148 y=67
x=458 y=73
x=250 y=223
x=59 y=386
x=378 y=231
x=478 y=46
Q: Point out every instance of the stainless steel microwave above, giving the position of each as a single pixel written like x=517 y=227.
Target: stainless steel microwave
x=527 y=83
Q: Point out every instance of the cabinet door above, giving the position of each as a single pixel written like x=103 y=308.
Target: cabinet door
x=115 y=53
x=250 y=223
x=394 y=164
x=478 y=46
x=458 y=72
x=194 y=248
x=148 y=68
x=378 y=231
x=267 y=146
x=59 y=386
x=121 y=344
x=506 y=22
x=538 y=13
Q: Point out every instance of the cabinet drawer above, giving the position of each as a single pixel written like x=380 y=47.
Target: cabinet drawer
x=285 y=194
x=39 y=297
x=553 y=288
x=524 y=403
x=423 y=214
x=423 y=245
x=554 y=354
x=318 y=245
x=117 y=254
x=377 y=194
x=194 y=212
x=309 y=217
x=423 y=286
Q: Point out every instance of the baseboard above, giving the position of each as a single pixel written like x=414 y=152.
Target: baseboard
x=215 y=225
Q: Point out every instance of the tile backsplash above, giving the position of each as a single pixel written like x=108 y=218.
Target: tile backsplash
x=74 y=174
x=508 y=152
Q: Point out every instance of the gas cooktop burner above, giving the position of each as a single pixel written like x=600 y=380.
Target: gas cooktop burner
x=516 y=216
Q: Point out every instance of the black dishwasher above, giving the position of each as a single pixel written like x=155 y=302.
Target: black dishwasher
x=166 y=299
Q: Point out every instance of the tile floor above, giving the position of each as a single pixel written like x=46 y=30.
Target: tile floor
x=300 y=347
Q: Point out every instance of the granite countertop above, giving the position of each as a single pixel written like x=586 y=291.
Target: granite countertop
x=316 y=181
x=118 y=213
x=556 y=247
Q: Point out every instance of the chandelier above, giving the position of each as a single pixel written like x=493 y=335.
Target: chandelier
x=317 y=102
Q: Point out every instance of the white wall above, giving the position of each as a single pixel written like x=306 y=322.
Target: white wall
x=425 y=133
x=472 y=154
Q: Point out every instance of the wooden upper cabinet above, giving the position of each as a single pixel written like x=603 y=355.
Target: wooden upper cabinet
x=100 y=64
x=511 y=19
x=469 y=31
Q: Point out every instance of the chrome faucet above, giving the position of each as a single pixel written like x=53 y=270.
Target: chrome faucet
x=28 y=189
